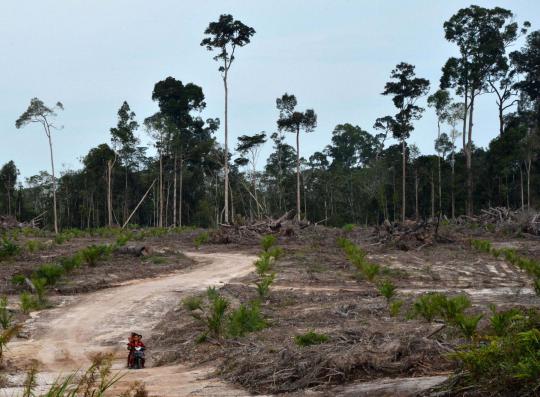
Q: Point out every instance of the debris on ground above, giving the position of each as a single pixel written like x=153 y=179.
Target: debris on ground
x=409 y=234
x=496 y=219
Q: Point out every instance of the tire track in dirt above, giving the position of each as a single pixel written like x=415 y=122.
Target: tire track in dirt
x=64 y=338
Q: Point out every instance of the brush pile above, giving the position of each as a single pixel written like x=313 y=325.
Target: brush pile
x=502 y=219
x=407 y=235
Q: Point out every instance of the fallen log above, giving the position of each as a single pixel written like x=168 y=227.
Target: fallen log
x=135 y=250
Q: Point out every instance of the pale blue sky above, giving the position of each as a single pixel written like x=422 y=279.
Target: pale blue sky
x=335 y=56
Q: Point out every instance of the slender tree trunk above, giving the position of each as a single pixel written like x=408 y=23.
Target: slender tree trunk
x=174 y=193
x=226 y=165
x=521 y=188
x=470 y=204
x=452 y=187
x=160 y=220
x=55 y=215
x=439 y=165
x=181 y=191
x=404 y=172
x=528 y=169
x=298 y=209
x=126 y=204
x=501 y=118
x=417 y=213
x=432 y=196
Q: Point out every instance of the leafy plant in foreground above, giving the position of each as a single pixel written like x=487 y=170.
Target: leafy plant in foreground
x=247 y=318
x=387 y=289
x=311 y=338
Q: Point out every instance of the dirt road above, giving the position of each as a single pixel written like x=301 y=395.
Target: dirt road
x=63 y=338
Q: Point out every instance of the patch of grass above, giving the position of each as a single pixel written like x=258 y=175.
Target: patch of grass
x=268 y=242
x=18 y=279
x=72 y=262
x=201 y=239
x=34 y=245
x=349 y=227
x=28 y=302
x=427 y=306
x=371 y=270
x=310 y=338
x=247 y=318
x=482 y=245
x=192 y=303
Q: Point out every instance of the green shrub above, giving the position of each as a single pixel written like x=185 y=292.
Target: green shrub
x=123 y=239
x=28 y=302
x=428 y=306
x=245 y=319
x=201 y=239
x=51 y=273
x=264 y=263
x=452 y=308
x=371 y=270
x=216 y=317
x=349 y=227
x=94 y=253
x=18 y=279
x=268 y=242
x=468 y=324
x=275 y=252
x=503 y=322
x=481 y=245
x=72 y=262
x=40 y=285
x=34 y=245
x=263 y=285
x=310 y=338
x=395 y=307
x=5 y=315
x=192 y=303
x=8 y=249
x=387 y=289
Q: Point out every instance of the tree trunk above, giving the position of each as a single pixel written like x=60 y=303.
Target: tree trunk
x=181 y=193
x=226 y=165
x=521 y=186
x=417 y=214
x=452 y=187
x=528 y=169
x=470 y=207
x=298 y=209
x=174 y=193
x=55 y=215
x=432 y=196
x=404 y=165
x=160 y=219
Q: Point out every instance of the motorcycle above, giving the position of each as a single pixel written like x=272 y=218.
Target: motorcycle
x=138 y=357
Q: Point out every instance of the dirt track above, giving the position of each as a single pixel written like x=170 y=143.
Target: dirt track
x=64 y=338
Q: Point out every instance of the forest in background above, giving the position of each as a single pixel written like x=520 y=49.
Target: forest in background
x=195 y=180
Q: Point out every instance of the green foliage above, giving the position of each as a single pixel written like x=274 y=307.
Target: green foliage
x=349 y=227
x=8 y=249
x=427 y=306
x=502 y=322
x=28 y=302
x=95 y=253
x=395 y=307
x=268 y=242
x=216 y=317
x=5 y=316
x=264 y=264
x=482 y=245
x=40 y=284
x=192 y=303
x=263 y=285
x=387 y=289
x=51 y=273
x=123 y=239
x=275 y=252
x=18 y=279
x=371 y=270
x=72 y=262
x=34 y=245
x=245 y=319
x=201 y=238
x=468 y=324
x=451 y=309
x=310 y=338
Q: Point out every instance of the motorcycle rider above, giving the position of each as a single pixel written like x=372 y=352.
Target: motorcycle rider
x=136 y=344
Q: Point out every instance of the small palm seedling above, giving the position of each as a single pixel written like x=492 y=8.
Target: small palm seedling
x=8 y=249
x=40 y=285
x=7 y=335
x=468 y=324
x=395 y=307
x=201 y=239
x=427 y=306
x=349 y=227
x=94 y=253
x=263 y=285
x=72 y=262
x=51 y=273
x=5 y=315
x=247 y=318
x=371 y=270
x=192 y=303
x=310 y=338
x=501 y=322
x=268 y=242
x=387 y=289
x=34 y=245
x=264 y=263
x=28 y=302
x=275 y=252
x=216 y=316
x=452 y=308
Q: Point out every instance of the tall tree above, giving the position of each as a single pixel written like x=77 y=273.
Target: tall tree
x=291 y=120
x=37 y=112
x=124 y=142
x=405 y=89
x=226 y=35
x=481 y=35
x=8 y=180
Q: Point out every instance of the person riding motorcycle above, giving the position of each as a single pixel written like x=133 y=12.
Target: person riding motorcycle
x=136 y=349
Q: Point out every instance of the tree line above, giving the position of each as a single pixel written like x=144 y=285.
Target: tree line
x=358 y=178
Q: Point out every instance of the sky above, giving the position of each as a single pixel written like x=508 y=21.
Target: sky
x=334 y=55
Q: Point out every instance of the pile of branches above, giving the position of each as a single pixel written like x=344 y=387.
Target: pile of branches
x=8 y=222
x=356 y=355
x=505 y=219
x=252 y=232
x=409 y=234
